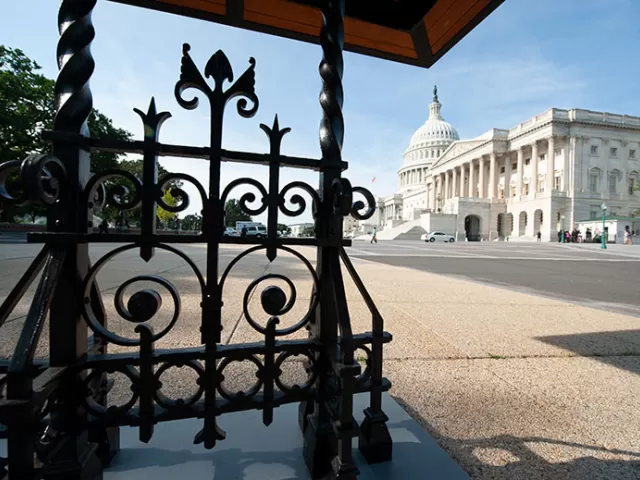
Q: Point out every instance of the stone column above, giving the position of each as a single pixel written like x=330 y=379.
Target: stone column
x=454 y=179
x=492 y=176
x=432 y=194
x=472 y=180
x=533 y=183
x=578 y=159
x=462 y=169
x=481 y=167
x=446 y=184
x=507 y=175
x=519 y=171
x=551 y=159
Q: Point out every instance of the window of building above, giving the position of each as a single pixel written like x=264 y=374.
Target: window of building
x=514 y=166
x=613 y=183
x=542 y=157
x=632 y=185
x=558 y=151
x=613 y=152
x=557 y=182
x=513 y=190
x=527 y=161
x=540 y=186
x=594 y=212
x=593 y=183
x=594 y=149
x=501 y=193
x=502 y=169
x=632 y=154
x=525 y=189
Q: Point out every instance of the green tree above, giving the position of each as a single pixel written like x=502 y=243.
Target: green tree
x=165 y=216
x=284 y=228
x=308 y=231
x=233 y=213
x=191 y=222
x=27 y=108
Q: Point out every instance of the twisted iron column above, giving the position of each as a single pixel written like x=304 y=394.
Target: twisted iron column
x=76 y=457
x=327 y=447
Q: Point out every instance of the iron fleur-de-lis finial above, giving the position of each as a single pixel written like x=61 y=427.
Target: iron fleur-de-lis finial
x=219 y=69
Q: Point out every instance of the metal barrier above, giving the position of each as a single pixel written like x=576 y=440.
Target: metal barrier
x=57 y=418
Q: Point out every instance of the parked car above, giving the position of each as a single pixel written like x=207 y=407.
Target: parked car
x=437 y=237
x=230 y=232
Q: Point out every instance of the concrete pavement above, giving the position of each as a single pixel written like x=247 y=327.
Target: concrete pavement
x=579 y=273
x=512 y=385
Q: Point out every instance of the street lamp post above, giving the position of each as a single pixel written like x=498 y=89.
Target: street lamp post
x=603 y=238
x=562 y=227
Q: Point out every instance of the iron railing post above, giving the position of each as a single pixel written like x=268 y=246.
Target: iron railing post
x=75 y=457
x=321 y=439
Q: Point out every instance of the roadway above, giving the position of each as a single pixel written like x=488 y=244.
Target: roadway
x=580 y=273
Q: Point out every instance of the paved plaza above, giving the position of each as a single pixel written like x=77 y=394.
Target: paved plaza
x=580 y=273
x=512 y=385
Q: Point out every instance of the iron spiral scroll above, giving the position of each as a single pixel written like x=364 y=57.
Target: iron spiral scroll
x=334 y=367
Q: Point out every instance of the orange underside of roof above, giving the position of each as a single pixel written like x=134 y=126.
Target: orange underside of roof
x=446 y=23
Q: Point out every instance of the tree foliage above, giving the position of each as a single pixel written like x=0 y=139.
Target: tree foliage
x=233 y=213
x=284 y=228
x=309 y=231
x=27 y=109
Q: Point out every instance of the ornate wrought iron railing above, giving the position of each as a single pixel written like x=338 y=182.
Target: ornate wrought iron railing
x=55 y=413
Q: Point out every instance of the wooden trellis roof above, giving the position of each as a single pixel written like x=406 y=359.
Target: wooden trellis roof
x=415 y=32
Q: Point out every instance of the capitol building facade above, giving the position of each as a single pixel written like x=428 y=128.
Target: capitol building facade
x=555 y=169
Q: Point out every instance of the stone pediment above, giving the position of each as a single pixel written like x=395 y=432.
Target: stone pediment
x=456 y=149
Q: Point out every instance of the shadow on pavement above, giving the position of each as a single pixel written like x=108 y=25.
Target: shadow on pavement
x=507 y=457
x=596 y=345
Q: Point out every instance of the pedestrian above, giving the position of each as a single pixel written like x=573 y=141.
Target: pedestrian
x=103 y=227
x=243 y=232
x=627 y=236
x=539 y=236
x=374 y=236
x=559 y=236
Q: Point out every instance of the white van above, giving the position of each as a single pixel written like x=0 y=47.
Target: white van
x=254 y=229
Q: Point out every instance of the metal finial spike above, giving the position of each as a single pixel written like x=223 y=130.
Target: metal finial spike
x=152 y=107
x=276 y=125
x=435 y=93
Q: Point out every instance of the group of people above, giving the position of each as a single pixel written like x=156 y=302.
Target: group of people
x=574 y=236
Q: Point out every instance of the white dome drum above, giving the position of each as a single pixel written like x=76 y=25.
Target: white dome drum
x=427 y=144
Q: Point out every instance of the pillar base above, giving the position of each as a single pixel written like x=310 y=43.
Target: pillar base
x=319 y=450
x=86 y=466
x=375 y=441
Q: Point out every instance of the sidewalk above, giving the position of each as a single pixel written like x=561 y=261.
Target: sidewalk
x=512 y=386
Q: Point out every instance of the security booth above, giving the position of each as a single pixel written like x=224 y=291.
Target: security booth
x=56 y=417
x=614 y=227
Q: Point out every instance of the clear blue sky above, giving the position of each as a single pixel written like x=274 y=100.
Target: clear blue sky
x=529 y=55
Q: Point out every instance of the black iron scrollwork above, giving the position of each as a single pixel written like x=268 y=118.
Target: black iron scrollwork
x=37 y=179
x=274 y=301
x=142 y=306
x=297 y=199
x=343 y=204
x=359 y=205
x=101 y=190
x=247 y=198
